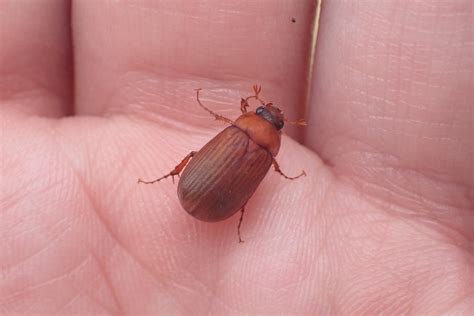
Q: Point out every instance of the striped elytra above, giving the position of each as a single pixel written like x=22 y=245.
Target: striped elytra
x=219 y=179
x=223 y=175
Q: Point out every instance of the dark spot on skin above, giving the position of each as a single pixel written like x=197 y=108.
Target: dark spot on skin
x=293 y=20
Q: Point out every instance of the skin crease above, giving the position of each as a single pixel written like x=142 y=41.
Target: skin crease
x=383 y=223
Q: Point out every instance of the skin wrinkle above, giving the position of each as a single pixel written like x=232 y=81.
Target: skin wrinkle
x=243 y=306
x=143 y=110
x=41 y=250
x=414 y=122
x=338 y=166
x=324 y=241
x=10 y=201
x=25 y=78
x=159 y=280
x=466 y=298
x=222 y=285
x=323 y=249
x=412 y=169
x=434 y=179
x=49 y=281
x=49 y=187
x=95 y=210
x=103 y=269
x=390 y=275
x=216 y=300
x=115 y=186
x=213 y=288
x=176 y=285
x=392 y=162
x=150 y=155
x=81 y=294
x=70 y=302
x=413 y=219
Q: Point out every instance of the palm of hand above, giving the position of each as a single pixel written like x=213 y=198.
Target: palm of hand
x=377 y=227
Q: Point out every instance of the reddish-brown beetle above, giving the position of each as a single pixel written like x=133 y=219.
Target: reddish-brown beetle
x=222 y=176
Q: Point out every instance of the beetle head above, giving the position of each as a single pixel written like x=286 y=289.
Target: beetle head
x=272 y=114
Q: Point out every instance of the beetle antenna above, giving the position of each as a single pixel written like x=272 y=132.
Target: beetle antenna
x=256 y=89
x=244 y=104
x=216 y=116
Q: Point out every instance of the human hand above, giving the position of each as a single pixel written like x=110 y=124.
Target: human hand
x=383 y=223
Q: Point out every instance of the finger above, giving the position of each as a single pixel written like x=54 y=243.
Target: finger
x=392 y=96
x=35 y=57
x=158 y=52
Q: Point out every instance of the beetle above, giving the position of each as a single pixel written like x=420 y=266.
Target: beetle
x=219 y=179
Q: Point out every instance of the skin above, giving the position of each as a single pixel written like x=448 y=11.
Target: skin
x=383 y=223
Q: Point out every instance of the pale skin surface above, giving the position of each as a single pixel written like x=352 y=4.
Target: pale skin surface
x=383 y=223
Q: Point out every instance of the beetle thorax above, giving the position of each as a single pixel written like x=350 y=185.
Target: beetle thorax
x=260 y=131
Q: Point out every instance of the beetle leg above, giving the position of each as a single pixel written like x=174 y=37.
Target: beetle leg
x=300 y=122
x=244 y=105
x=242 y=210
x=277 y=169
x=175 y=172
x=216 y=116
